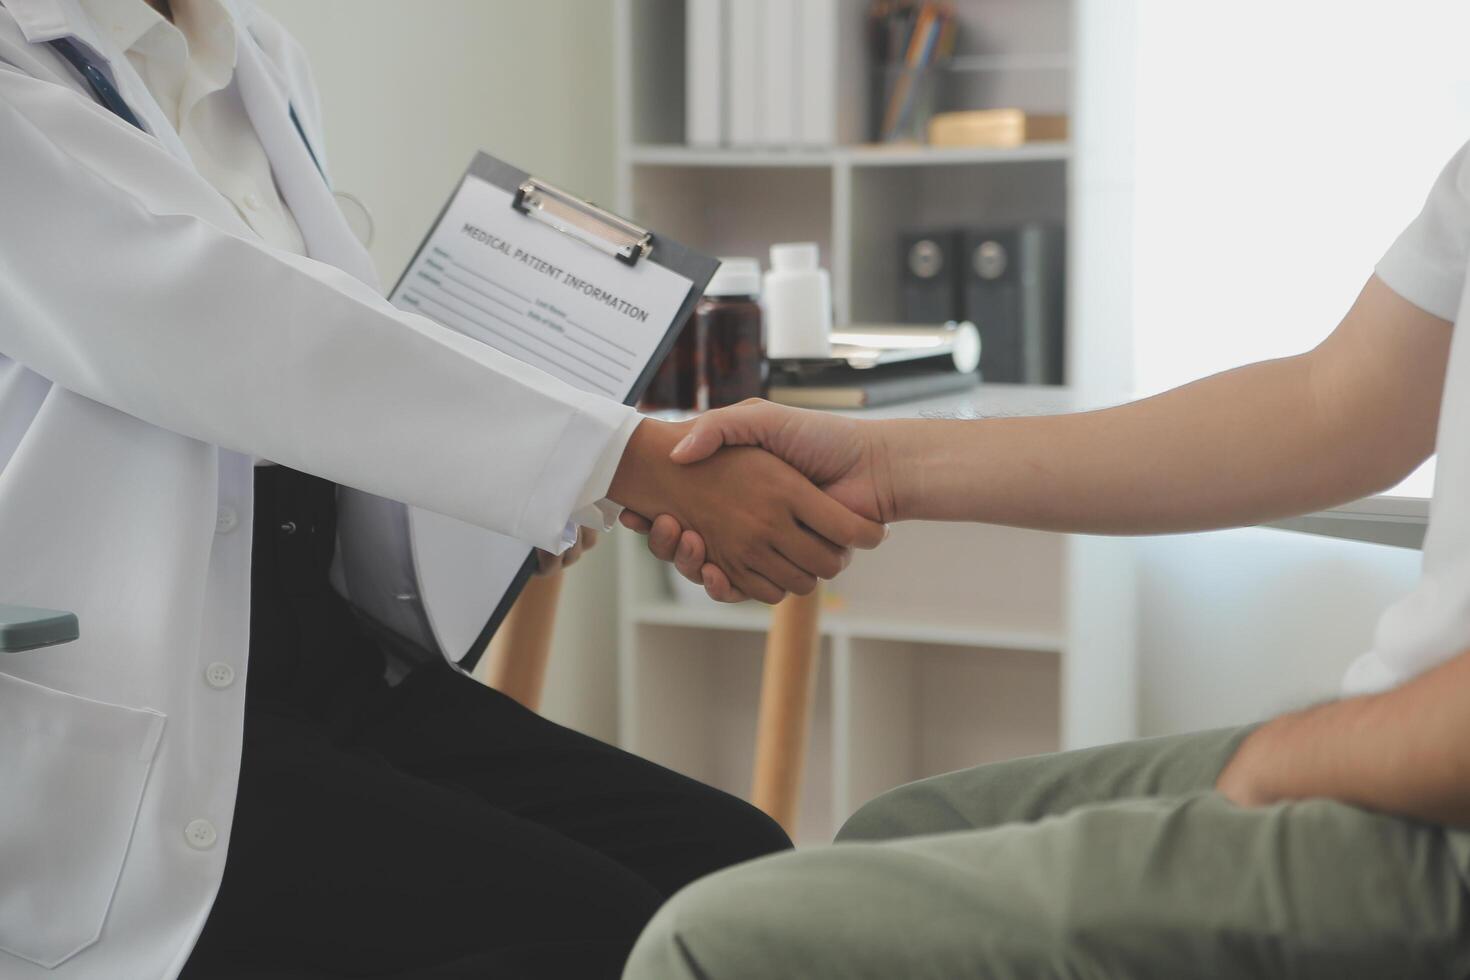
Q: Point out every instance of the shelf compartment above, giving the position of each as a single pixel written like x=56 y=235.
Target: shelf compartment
x=1010 y=62
x=908 y=711
x=952 y=577
x=918 y=155
x=679 y=155
x=1011 y=53
x=977 y=585
x=864 y=155
x=695 y=700
x=887 y=201
x=751 y=617
x=649 y=48
x=726 y=210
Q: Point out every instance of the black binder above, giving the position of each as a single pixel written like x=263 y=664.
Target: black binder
x=1013 y=293
x=930 y=261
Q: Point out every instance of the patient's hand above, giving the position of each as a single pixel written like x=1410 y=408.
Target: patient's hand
x=763 y=525
x=547 y=563
x=843 y=456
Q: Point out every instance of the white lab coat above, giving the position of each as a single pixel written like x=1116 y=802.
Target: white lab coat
x=150 y=345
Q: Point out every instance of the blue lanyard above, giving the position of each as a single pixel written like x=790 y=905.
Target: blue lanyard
x=102 y=87
x=111 y=99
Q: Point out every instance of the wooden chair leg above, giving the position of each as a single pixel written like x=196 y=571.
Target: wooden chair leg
x=516 y=662
x=787 y=682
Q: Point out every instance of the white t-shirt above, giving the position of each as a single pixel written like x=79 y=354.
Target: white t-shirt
x=1427 y=266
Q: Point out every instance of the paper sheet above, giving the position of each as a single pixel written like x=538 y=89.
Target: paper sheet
x=541 y=296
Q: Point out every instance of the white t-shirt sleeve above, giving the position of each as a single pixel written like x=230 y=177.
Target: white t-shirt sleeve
x=1426 y=264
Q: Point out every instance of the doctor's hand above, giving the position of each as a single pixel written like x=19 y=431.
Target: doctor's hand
x=547 y=563
x=761 y=524
x=844 y=456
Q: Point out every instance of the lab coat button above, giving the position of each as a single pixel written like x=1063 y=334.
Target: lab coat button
x=200 y=835
x=226 y=520
x=219 y=675
x=252 y=200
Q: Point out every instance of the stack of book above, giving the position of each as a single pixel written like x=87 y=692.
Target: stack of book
x=842 y=387
x=995 y=127
x=772 y=73
x=881 y=365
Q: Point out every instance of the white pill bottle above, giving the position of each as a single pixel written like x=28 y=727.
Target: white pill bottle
x=797 y=296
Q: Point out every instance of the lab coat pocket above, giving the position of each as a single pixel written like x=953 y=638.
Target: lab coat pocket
x=72 y=772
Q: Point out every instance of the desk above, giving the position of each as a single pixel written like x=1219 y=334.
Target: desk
x=985 y=401
x=1384 y=519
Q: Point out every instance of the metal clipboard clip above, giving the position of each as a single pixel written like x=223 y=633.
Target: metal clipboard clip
x=585 y=222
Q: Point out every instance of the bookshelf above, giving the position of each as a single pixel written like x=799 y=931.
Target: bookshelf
x=852 y=200
x=678 y=155
x=952 y=645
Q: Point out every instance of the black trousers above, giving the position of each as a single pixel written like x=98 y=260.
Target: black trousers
x=432 y=828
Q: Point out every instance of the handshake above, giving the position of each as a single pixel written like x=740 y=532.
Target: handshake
x=757 y=500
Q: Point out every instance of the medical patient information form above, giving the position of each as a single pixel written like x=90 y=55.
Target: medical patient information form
x=539 y=295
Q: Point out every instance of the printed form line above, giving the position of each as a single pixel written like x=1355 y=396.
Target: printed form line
x=479 y=292
x=519 y=312
x=480 y=275
x=610 y=343
x=524 y=299
x=421 y=298
x=594 y=350
x=530 y=333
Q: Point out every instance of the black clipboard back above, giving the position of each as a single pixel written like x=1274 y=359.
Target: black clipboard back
x=622 y=241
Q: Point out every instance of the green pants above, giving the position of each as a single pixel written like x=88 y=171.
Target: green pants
x=1117 y=863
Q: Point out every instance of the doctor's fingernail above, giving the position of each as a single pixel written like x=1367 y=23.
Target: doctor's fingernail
x=684 y=444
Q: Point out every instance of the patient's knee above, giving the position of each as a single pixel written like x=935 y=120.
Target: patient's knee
x=702 y=933
x=877 y=819
x=907 y=811
x=660 y=953
x=986 y=796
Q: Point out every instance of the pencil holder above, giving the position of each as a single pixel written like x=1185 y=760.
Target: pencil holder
x=905 y=102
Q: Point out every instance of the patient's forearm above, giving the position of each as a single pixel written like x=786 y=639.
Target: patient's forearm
x=1260 y=442
x=1237 y=448
x=1405 y=752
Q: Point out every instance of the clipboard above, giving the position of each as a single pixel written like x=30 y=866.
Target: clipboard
x=624 y=245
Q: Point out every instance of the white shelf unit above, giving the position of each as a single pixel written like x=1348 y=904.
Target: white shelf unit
x=951 y=645
x=843 y=156
x=854 y=201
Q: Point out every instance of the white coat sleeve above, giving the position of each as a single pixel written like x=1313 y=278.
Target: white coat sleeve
x=126 y=278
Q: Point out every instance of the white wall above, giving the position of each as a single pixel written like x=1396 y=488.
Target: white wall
x=410 y=91
x=1280 y=148
x=1236 y=626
